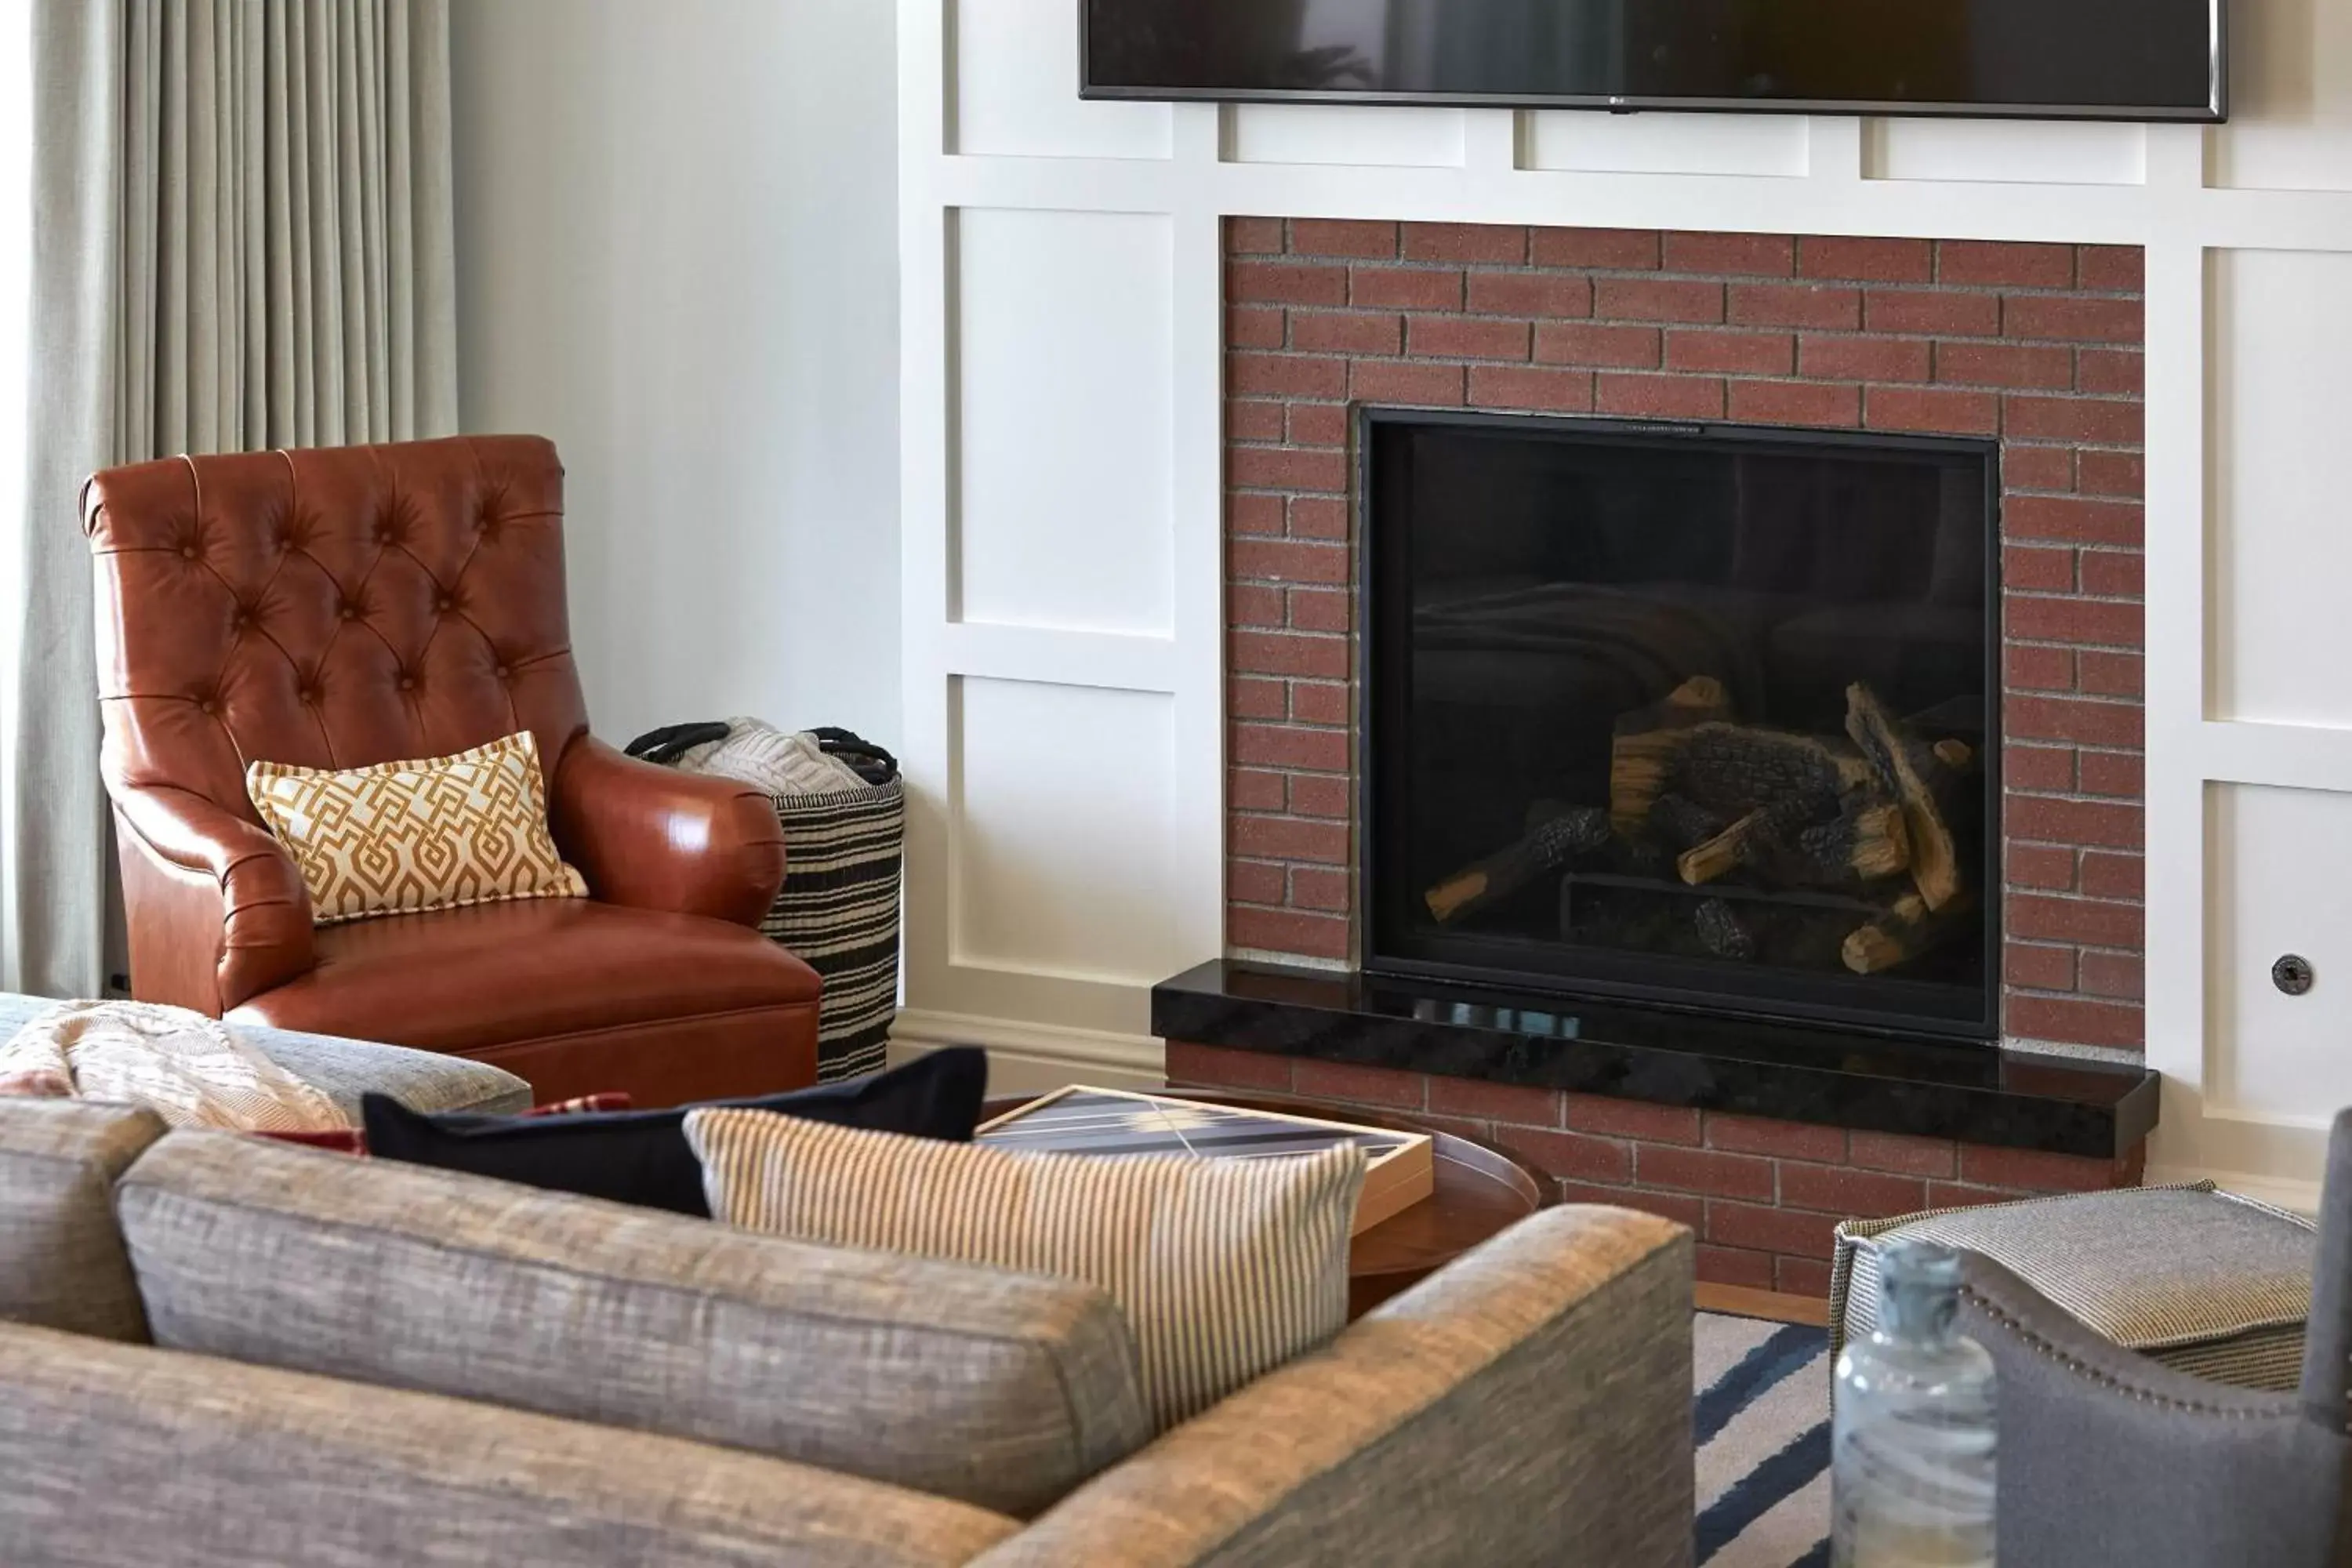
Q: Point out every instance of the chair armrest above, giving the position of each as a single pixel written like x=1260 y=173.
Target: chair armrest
x=2109 y=1457
x=656 y=839
x=216 y=908
x=1531 y=1404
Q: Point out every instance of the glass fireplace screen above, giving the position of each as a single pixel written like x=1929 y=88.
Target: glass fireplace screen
x=1697 y=715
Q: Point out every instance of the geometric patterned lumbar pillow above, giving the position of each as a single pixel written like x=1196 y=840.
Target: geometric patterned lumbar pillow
x=1224 y=1268
x=429 y=835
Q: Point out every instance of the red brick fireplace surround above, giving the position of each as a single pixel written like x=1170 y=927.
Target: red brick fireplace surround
x=2037 y=344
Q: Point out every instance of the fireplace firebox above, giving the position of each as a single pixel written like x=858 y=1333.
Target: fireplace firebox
x=1688 y=714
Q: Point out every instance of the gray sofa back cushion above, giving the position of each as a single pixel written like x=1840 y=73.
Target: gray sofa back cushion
x=61 y=1258
x=121 y=1454
x=996 y=1389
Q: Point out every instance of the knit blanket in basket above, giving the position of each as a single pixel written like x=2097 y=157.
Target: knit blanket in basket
x=188 y=1068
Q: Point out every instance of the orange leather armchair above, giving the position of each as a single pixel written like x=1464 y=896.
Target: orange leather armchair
x=353 y=606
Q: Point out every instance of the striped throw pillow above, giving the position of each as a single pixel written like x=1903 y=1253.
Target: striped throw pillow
x=1223 y=1269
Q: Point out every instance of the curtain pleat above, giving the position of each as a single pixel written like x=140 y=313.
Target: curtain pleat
x=289 y=271
x=242 y=240
x=78 y=335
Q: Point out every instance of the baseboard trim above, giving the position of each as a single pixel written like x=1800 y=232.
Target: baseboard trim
x=2281 y=1192
x=1025 y=1057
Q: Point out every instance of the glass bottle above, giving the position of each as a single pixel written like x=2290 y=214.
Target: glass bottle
x=1911 y=1444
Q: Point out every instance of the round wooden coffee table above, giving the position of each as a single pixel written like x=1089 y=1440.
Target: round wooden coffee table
x=1480 y=1191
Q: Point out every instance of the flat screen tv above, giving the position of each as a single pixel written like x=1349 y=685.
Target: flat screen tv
x=2090 y=59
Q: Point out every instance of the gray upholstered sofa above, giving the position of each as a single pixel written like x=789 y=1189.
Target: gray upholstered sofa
x=217 y=1350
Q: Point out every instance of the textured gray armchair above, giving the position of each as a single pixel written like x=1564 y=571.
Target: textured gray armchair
x=2108 y=1456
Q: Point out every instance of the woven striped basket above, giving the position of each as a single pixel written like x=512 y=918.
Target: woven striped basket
x=838 y=910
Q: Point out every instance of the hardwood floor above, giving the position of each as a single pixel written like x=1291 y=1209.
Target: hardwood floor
x=1746 y=1302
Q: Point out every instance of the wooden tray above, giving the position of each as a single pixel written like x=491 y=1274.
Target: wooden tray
x=1479 y=1190
x=1080 y=1119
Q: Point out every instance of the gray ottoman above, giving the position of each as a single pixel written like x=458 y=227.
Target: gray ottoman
x=2207 y=1282
x=344 y=1070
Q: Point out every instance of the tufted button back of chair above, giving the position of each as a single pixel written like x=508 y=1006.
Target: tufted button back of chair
x=330 y=608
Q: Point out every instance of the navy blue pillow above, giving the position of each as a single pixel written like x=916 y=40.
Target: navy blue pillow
x=642 y=1157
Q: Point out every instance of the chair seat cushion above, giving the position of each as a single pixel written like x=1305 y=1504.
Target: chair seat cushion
x=2207 y=1282
x=471 y=979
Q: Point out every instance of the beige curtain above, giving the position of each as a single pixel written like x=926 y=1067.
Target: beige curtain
x=242 y=238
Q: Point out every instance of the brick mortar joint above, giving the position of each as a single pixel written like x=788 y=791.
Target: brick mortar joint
x=1725 y=277
x=2008 y=641
x=2060 y=895
x=1717 y=329
x=2081 y=998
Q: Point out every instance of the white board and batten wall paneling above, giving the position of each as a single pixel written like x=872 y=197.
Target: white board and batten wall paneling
x=1060 y=404
x=1667 y=145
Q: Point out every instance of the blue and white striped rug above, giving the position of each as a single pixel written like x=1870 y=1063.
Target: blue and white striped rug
x=1762 y=1420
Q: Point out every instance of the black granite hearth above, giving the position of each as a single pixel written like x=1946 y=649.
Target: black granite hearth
x=1795 y=1072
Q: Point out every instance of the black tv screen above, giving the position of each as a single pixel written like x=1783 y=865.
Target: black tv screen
x=2112 y=60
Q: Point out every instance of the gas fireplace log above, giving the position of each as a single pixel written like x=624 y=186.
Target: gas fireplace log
x=1725 y=852
x=1721 y=930
x=1731 y=769
x=1909 y=927
x=1737 y=768
x=1865 y=840
x=1577 y=831
x=1918 y=779
x=1868 y=838
x=1680 y=822
x=1642 y=755
x=1697 y=700
x=1543 y=808
x=1642 y=855
x=1728 y=768
x=1804 y=939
